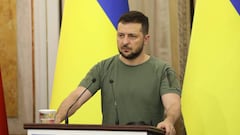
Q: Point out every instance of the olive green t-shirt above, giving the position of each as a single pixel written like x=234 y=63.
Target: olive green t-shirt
x=132 y=93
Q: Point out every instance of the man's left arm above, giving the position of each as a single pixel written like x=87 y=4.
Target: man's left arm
x=172 y=106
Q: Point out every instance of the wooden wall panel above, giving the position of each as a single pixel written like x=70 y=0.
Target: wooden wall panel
x=8 y=55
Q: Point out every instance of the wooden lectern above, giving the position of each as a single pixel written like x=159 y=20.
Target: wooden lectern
x=76 y=129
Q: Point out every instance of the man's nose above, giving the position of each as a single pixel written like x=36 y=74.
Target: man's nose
x=125 y=40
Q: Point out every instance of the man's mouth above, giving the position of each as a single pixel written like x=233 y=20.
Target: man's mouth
x=126 y=49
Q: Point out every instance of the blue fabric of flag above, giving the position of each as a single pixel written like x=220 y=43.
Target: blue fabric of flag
x=236 y=4
x=114 y=9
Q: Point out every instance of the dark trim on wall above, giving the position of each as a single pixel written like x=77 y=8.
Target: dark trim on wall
x=192 y=5
x=60 y=12
x=33 y=64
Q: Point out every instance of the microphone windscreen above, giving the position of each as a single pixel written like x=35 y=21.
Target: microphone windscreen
x=93 y=80
x=111 y=81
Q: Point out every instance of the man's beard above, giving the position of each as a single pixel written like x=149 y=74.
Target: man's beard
x=132 y=55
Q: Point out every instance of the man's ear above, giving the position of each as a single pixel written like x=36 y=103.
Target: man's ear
x=146 y=39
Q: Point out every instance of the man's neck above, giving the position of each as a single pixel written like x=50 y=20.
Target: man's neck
x=133 y=62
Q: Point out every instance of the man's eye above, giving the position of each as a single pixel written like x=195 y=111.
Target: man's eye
x=120 y=35
x=132 y=36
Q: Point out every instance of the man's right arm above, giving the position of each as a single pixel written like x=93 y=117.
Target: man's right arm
x=62 y=110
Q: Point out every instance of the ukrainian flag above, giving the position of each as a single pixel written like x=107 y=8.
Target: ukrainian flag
x=88 y=35
x=211 y=88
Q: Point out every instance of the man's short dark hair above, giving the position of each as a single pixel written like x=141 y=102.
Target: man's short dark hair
x=135 y=17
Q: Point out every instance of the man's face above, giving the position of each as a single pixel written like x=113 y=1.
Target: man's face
x=130 y=40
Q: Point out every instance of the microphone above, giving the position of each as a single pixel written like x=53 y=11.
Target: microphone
x=115 y=103
x=66 y=117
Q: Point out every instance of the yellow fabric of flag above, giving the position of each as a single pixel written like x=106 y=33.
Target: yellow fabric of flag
x=87 y=36
x=211 y=89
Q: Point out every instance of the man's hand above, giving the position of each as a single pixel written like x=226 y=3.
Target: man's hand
x=167 y=127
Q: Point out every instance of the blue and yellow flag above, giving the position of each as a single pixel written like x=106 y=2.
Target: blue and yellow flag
x=88 y=35
x=211 y=89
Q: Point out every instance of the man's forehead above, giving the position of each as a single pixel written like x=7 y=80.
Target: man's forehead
x=129 y=24
x=129 y=27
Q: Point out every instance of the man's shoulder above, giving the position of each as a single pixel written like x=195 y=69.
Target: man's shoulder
x=108 y=61
x=157 y=61
x=160 y=64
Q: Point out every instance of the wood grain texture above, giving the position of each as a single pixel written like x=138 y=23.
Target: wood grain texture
x=8 y=55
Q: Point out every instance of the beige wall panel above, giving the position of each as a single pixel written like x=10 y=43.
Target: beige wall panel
x=24 y=68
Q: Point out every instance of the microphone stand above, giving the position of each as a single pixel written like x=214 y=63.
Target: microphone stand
x=66 y=117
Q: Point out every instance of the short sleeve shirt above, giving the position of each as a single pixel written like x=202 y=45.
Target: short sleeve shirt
x=132 y=93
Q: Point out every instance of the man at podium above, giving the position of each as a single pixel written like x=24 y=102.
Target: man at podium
x=136 y=88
